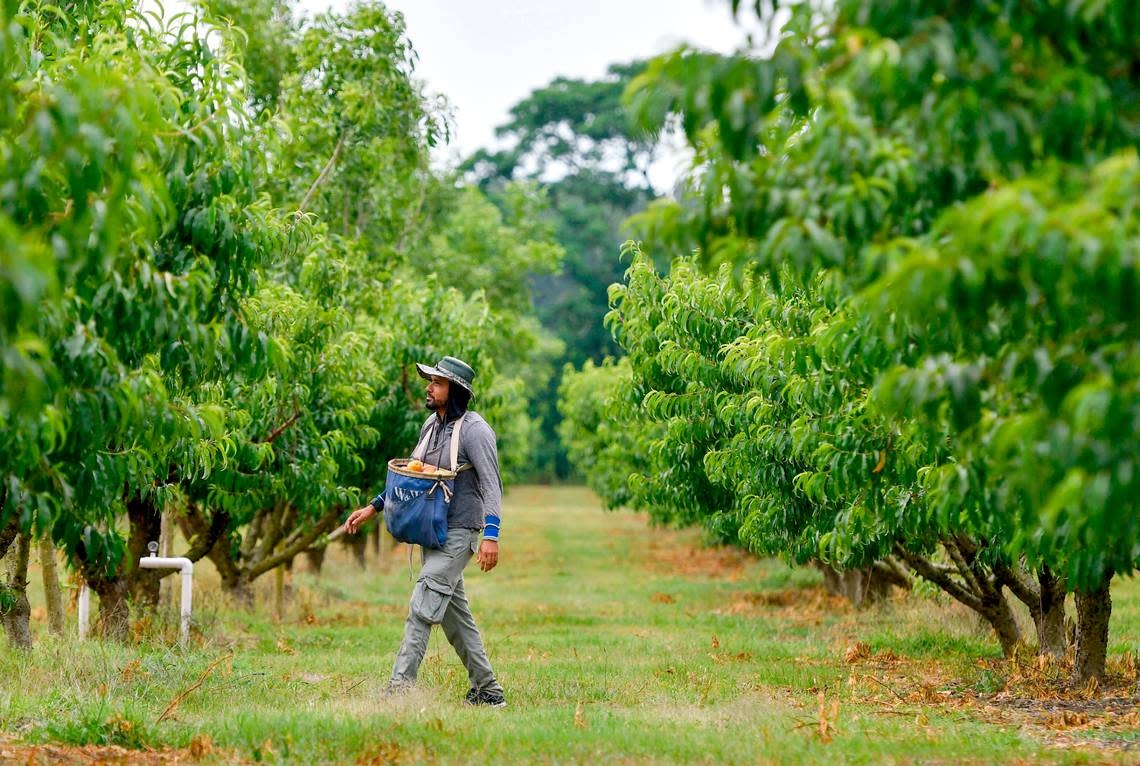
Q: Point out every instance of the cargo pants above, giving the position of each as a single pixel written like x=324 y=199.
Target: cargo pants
x=439 y=599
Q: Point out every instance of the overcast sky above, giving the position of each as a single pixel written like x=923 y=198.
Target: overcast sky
x=486 y=55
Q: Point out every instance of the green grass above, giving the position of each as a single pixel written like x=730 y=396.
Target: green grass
x=615 y=643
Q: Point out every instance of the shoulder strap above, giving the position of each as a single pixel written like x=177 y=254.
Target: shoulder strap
x=455 y=442
x=421 y=448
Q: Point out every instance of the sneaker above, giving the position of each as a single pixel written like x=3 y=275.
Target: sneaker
x=485 y=697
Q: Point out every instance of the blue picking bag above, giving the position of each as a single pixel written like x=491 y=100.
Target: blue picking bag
x=415 y=507
x=416 y=504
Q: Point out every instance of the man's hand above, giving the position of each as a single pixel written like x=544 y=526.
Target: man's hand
x=488 y=555
x=358 y=517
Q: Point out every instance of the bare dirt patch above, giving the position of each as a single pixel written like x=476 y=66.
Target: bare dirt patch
x=794 y=605
x=674 y=557
x=1039 y=696
x=1103 y=721
x=201 y=750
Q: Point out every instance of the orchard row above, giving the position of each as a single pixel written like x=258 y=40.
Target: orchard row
x=906 y=348
x=222 y=248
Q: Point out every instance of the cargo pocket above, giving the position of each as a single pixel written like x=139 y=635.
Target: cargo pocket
x=430 y=600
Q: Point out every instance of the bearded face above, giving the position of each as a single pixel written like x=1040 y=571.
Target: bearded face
x=436 y=394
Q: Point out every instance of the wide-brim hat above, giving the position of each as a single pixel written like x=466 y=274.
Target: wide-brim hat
x=455 y=370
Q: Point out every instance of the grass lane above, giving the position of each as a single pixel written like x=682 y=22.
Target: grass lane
x=615 y=643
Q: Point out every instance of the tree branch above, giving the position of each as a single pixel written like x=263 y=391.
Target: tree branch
x=270 y=534
x=199 y=547
x=964 y=568
x=1020 y=584
x=296 y=533
x=281 y=428
x=939 y=577
x=324 y=172
x=201 y=535
x=253 y=534
x=220 y=555
x=894 y=572
x=320 y=527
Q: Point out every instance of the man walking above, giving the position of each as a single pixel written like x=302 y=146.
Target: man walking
x=438 y=597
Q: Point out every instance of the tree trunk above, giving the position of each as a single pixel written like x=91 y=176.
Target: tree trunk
x=165 y=542
x=998 y=613
x=8 y=532
x=974 y=590
x=892 y=572
x=114 y=608
x=234 y=583
x=859 y=586
x=1094 y=607
x=112 y=589
x=208 y=538
x=384 y=543
x=146 y=526
x=1043 y=594
x=240 y=566
x=279 y=590
x=15 y=612
x=52 y=593
x=1050 y=621
x=358 y=544
x=316 y=559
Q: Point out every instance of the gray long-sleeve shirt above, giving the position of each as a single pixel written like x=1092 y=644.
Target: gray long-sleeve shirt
x=478 y=498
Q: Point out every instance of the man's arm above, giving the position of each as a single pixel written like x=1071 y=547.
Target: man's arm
x=483 y=454
x=362 y=515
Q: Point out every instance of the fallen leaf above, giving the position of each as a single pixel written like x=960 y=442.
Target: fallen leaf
x=129 y=670
x=580 y=716
x=201 y=746
x=382 y=754
x=1066 y=719
x=860 y=650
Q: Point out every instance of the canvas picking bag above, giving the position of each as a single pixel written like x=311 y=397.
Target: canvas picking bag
x=415 y=503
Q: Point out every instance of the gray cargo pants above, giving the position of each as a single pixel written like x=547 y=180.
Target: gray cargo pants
x=439 y=599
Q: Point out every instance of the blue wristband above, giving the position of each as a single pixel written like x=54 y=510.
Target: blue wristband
x=378 y=502
x=491 y=527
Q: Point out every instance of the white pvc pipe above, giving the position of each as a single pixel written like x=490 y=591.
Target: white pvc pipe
x=84 y=610
x=187 y=568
